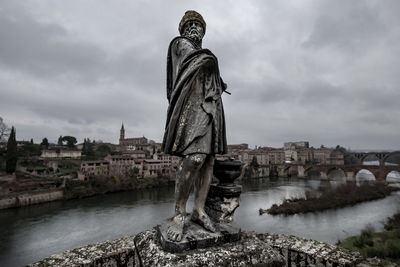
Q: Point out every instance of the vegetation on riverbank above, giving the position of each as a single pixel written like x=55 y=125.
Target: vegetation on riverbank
x=109 y=184
x=384 y=245
x=343 y=195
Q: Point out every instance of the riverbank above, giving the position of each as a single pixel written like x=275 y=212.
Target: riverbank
x=341 y=196
x=384 y=245
x=110 y=184
x=30 y=191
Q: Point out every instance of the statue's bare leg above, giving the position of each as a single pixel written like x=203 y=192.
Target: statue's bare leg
x=188 y=171
x=201 y=187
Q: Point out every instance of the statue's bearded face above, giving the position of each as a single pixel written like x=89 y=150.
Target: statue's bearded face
x=193 y=30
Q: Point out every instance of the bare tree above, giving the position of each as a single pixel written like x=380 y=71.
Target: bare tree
x=4 y=131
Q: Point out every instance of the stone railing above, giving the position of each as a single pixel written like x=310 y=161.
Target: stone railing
x=306 y=252
x=253 y=249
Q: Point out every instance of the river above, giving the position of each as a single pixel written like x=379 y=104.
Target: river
x=29 y=234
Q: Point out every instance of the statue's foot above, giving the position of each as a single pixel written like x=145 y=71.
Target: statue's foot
x=175 y=230
x=203 y=220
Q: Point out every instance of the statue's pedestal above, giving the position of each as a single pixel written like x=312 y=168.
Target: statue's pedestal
x=222 y=201
x=195 y=236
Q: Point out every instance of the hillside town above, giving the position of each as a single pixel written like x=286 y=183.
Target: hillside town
x=142 y=158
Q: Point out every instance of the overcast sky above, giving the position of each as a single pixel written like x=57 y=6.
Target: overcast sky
x=323 y=71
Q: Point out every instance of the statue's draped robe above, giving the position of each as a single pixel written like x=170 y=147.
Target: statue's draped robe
x=195 y=120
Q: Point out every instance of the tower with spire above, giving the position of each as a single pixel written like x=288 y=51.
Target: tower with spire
x=122 y=133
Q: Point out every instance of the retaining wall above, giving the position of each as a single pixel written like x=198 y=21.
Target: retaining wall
x=26 y=199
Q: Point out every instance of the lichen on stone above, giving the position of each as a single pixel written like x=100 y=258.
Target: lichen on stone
x=253 y=249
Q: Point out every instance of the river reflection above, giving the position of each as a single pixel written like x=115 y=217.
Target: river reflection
x=31 y=233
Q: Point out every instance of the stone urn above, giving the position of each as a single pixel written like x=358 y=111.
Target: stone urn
x=226 y=171
x=223 y=197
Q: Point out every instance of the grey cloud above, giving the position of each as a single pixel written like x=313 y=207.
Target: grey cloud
x=43 y=49
x=317 y=71
x=353 y=25
x=318 y=91
x=146 y=69
x=265 y=93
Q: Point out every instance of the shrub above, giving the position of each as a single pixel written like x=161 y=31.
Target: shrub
x=397 y=233
x=375 y=252
x=393 y=222
x=365 y=239
x=392 y=249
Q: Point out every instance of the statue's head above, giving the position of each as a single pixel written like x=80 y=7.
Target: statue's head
x=192 y=26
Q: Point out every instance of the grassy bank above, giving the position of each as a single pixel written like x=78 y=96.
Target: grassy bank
x=341 y=196
x=384 y=245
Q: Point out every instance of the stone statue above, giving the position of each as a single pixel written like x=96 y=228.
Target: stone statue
x=195 y=127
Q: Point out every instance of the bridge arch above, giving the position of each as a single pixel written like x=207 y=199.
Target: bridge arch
x=336 y=176
x=336 y=170
x=290 y=171
x=365 y=175
x=370 y=159
x=393 y=158
x=336 y=173
x=312 y=173
x=393 y=177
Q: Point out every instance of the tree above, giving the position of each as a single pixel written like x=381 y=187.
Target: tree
x=44 y=144
x=11 y=155
x=340 y=149
x=254 y=162
x=103 y=150
x=29 y=149
x=4 y=131
x=70 y=140
x=134 y=172
x=60 y=141
x=87 y=148
x=32 y=141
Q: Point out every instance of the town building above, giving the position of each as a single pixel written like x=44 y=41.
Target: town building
x=156 y=168
x=264 y=155
x=237 y=147
x=96 y=168
x=129 y=145
x=123 y=164
x=293 y=149
x=61 y=153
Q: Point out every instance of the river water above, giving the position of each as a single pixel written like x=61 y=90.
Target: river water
x=29 y=234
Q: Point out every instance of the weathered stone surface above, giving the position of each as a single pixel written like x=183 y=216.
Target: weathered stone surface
x=222 y=201
x=307 y=252
x=195 y=236
x=250 y=250
x=119 y=252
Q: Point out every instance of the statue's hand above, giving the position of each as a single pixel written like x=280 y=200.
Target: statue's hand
x=224 y=87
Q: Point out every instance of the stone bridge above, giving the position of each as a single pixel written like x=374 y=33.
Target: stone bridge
x=379 y=171
x=380 y=156
x=302 y=171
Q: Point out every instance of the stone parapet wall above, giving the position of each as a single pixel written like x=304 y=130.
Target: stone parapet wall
x=253 y=249
x=307 y=252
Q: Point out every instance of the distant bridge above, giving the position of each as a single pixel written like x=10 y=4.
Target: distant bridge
x=379 y=171
x=380 y=156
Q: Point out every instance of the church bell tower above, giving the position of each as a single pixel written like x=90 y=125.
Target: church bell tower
x=122 y=133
